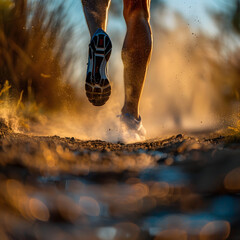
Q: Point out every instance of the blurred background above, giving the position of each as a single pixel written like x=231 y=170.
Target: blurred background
x=192 y=84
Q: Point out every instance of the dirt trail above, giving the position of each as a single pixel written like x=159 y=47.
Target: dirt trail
x=64 y=188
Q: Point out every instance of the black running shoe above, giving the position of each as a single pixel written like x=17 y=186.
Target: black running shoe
x=98 y=89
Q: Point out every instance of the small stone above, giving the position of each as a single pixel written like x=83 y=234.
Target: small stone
x=179 y=136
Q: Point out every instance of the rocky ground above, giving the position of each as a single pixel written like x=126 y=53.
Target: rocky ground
x=180 y=187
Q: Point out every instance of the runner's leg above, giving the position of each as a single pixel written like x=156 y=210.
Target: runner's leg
x=136 y=52
x=96 y=12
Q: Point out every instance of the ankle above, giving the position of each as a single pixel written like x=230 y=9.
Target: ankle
x=131 y=112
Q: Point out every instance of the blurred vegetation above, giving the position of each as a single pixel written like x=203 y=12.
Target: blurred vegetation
x=236 y=17
x=228 y=21
x=228 y=16
x=33 y=40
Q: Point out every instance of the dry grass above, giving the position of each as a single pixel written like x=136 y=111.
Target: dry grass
x=33 y=42
x=34 y=60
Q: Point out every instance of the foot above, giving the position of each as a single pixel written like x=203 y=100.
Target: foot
x=132 y=129
x=97 y=85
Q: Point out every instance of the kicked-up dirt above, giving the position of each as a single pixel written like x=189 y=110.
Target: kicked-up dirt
x=181 y=187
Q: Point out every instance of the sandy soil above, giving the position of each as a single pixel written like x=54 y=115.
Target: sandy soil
x=180 y=187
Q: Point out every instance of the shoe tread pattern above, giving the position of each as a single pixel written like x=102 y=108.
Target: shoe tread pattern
x=98 y=88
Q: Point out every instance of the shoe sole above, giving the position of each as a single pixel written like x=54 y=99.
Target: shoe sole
x=98 y=88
